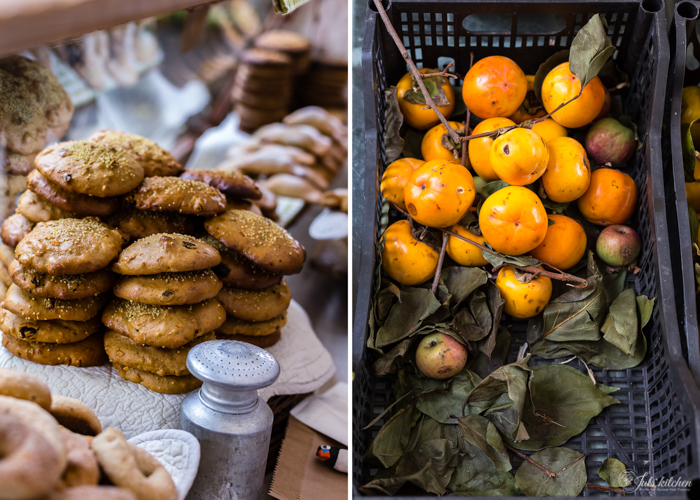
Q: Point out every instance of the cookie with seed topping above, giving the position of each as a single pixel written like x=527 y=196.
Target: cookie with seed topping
x=81 y=204
x=7 y=254
x=255 y=305
x=142 y=223
x=164 y=385
x=14 y=229
x=239 y=272
x=90 y=168
x=38 y=308
x=257 y=340
x=258 y=239
x=163 y=326
x=66 y=287
x=154 y=159
x=233 y=183
x=173 y=194
x=69 y=246
x=37 y=209
x=87 y=352
x=169 y=289
x=235 y=326
x=5 y=278
x=166 y=253
x=56 y=331
x=156 y=360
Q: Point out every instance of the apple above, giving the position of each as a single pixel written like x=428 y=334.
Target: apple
x=440 y=356
x=609 y=141
x=607 y=103
x=618 y=245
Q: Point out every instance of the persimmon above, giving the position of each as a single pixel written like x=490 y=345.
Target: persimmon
x=526 y=111
x=523 y=300
x=439 y=193
x=519 y=157
x=548 y=129
x=568 y=171
x=564 y=245
x=431 y=147
x=418 y=114
x=513 y=220
x=480 y=149
x=560 y=86
x=404 y=258
x=395 y=178
x=494 y=86
x=690 y=110
x=463 y=253
x=611 y=197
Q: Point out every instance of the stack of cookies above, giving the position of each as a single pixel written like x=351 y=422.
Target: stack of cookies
x=51 y=314
x=295 y=45
x=165 y=305
x=262 y=88
x=325 y=85
x=256 y=255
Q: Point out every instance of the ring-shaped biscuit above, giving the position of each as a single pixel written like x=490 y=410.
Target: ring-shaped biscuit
x=22 y=385
x=75 y=415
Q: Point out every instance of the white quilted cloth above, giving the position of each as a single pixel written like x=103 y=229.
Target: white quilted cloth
x=305 y=366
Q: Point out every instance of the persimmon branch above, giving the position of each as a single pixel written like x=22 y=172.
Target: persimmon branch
x=525 y=457
x=466 y=121
x=438 y=269
x=443 y=73
x=605 y=489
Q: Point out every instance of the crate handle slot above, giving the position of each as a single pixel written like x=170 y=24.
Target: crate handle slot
x=502 y=24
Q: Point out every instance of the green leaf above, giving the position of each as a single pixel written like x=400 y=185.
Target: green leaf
x=390 y=362
x=495 y=303
x=568 y=465
x=552 y=62
x=477 y=476
x=562 y=402
x=392 y=439
x=439 y=403
x=614 y=473
x=481 y=433
x=462 y=281
x=500 y=259
x=688 y=152
x=614 y=284
x=393 y=119
x=492 y=187
x=385 y=300
x=406 y=316
x=590 y=50
x=412 y=141
x=611 y=75
x=621 y=327
x=645 y=307
x=433 y=84
x=557 y=208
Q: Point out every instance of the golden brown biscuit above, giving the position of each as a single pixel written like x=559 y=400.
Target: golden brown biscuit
x=258 y=340
x=141 y=223
x=7 y=254
x=156 y=360
x=240 y=204
x=166 y=253
x=90 y=168
x=258 y=239
x=172 y=194
x=88 y=352
x=82 y=468
x=75 y=415
x=239 y=272
x=67 y=287
x=56 y=331
x=163 y=326
x=235 y=326
x=255 y=305
x=3 y=291
x=169 y=289
x=277 y=77
x=37 y=209
x=44 y=308
x=18 y=164
x=233 y=183
x=268 y=203
x=14 y=228
x=69 y=246
x=22 y=385
x=81 y=204
x=5 y=278
x=266 y=58
x=154 y=159
x=285 y=41
x=165 y=385
x=22 y=119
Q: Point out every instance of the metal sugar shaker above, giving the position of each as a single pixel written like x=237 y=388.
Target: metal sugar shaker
x=233 y=425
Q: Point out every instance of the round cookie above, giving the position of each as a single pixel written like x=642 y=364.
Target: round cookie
x=75 y=415
x=18 y=164
x=88 y=352
x=81 y=204
x=22 y=385
x=241 y=204
x=154 y=159
x=166 y=253
x=285 y=41
x=172 y=194
x=7 y=254
x=255 y=305
x=259 y=340
x=165 y=385
x=14 y=228
x=239 y=272
x=142 y=223
x=233 y=183
x=37 y=209
x=235 y=326
x=169 y=289
x=90 y=168
x=39 y=308
x=66 y=287
x=55 y=331
x=69 y=246
x=258 y=239
x=156 y=360
x=21 y=118
x=163 y=326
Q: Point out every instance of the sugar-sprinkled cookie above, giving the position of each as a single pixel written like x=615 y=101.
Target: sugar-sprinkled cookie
x=164 y=385
x=256 y=305
x=169 y=289
x=44 y=308
x=239 y=272
x=81 y=204
x=173 y=194
x=142 y=223
x=154 y=159
x=233 y=183
x=67 y=286
x=55 y=331
x=37 y=209
x=87 y=352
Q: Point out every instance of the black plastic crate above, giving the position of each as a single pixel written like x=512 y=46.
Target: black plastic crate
x=656 y=428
